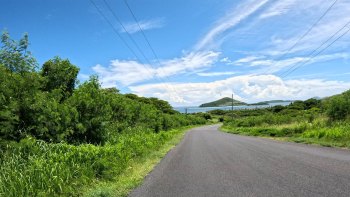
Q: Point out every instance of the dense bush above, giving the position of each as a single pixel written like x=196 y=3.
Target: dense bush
x=47 y=105
x=338 y=107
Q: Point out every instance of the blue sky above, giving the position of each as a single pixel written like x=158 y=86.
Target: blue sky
x=206 y=49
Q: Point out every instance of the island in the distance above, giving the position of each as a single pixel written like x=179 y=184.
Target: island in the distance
x=228 y=102
x=271 y=102
x=223 y=102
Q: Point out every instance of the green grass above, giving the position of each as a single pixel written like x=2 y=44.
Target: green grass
x=136 y=171
x=37 y=168
x=318 y=132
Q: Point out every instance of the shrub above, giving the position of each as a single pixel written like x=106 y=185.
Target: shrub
x=338 y=107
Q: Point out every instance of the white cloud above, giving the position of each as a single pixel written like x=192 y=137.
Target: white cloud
x=212 y=74
x=129 y=72
x=229 y=21
x=144 y=24
x=279 y=8
x=247 y=59
x=123 y=71
x=248 y=88
x=225 y=60
x=190 y=62
x=271 y=66
x=335 y=19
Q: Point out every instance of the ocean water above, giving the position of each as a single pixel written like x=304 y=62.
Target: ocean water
x=205 y=109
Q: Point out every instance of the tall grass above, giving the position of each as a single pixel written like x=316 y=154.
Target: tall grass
x=302 y=127
x=36 y=168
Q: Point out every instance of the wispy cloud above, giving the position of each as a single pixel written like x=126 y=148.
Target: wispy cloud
x=335 y=19
x=144 y=24
x=247 y=59
x=214 y=74
x=324 y=74
x=235 y=17
x=190 y=62
x=279 y=8
x=129 y=72
x=271 y=66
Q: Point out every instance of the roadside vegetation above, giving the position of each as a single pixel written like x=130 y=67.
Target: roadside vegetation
x=59 y=137
x=325 y=122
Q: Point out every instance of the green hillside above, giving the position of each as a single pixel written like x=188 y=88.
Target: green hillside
x=271 y=101
x=222 y=102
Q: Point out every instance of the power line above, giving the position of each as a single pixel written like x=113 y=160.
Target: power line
x=306 y=33
x=147 y=40
x=126 y=31
x=115 y=30
x=143 y=33
x=121 y=38
x=312 y=55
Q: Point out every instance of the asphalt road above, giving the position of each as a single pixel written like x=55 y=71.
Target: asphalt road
x=211 y=163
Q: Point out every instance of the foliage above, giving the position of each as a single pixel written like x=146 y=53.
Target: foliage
x=312 y=103
x=37 y=168
x=59 y=74
x=14 y=54
x=161 y=105
x=338 y=107
x=217 y=112
x=311 y=121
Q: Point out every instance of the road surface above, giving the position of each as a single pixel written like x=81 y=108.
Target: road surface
x=212 y=163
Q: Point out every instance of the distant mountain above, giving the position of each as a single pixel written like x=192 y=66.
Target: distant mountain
x=223 y=102
x=271 y=101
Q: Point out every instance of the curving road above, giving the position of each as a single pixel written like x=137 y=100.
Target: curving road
x=211 y=163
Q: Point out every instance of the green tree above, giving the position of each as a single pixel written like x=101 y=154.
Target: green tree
x=297 y=105
x=338 y=107
x=162 y=105
x=8 y=104
x=14 y=54
x=311 y=103
x=94 y=112
x=59 y=74
x=19 y=85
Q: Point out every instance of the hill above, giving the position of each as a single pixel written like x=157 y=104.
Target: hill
x=223 y=102
x=270 y=102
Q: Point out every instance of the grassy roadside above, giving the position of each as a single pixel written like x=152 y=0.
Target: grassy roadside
x=137 y=169
x=313 y=136
x=36 y=168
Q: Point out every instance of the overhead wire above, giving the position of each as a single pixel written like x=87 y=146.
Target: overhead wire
x=138 y=47
x=147 y=40
x=114 y=29
x=120 y=37
x=142 y=32
x=313 y=54
x=126 y=31
x=284 y=54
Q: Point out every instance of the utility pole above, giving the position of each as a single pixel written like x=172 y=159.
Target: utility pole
x=232 y=108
